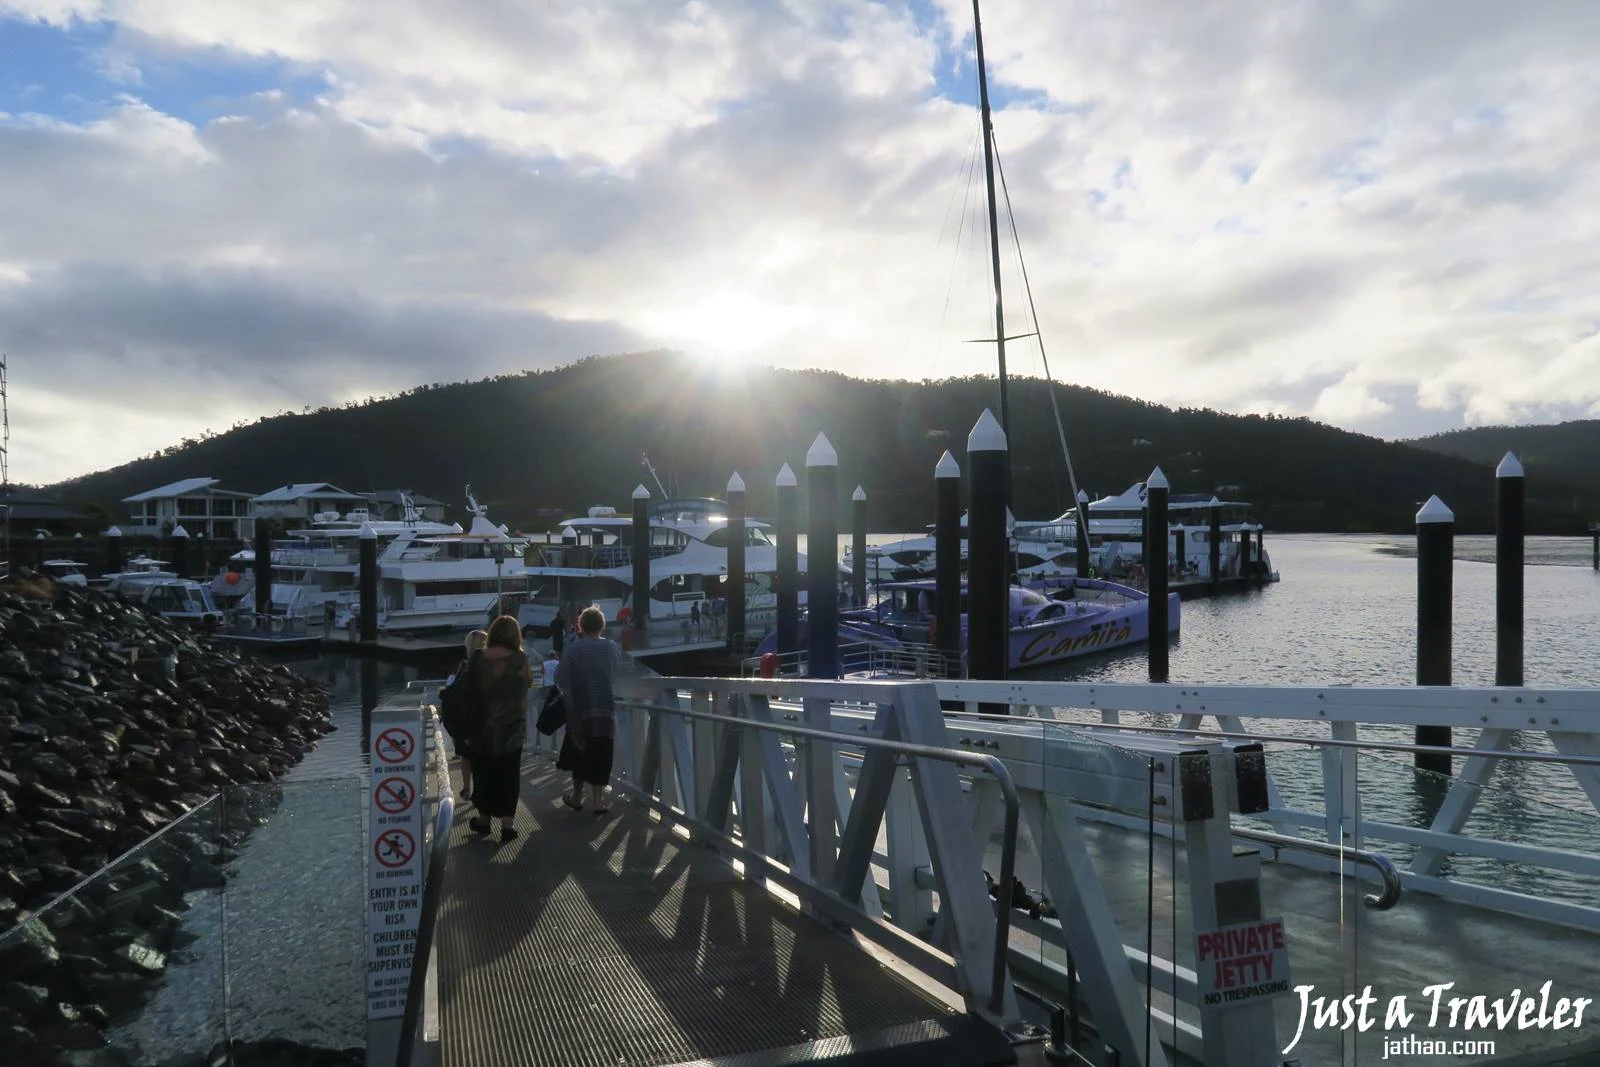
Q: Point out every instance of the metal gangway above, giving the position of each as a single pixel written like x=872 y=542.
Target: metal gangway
x=796 y=870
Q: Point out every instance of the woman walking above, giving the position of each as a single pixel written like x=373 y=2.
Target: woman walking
x=502 y=676
x=588 y=667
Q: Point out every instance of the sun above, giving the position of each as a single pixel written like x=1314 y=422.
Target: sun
x=728 y=322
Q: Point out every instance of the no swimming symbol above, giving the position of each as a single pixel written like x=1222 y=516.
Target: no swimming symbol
x=394 y=745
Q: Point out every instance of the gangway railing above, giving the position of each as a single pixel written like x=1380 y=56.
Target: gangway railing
x=856 y=862
x=812 y=829
x=1554 y=728
x=687 y=746
x=438 y=860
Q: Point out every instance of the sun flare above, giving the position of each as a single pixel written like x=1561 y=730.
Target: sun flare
x=729 y=322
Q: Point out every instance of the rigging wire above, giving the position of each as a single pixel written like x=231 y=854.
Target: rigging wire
x=944 y=225
x=1033 y=313
x=955 y=259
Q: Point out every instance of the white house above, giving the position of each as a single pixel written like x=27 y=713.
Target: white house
x=304 y=501
x=197 y=505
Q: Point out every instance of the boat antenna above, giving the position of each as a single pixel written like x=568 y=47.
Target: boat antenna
x=656 y=477
x=1050 y=385
x=994 y=240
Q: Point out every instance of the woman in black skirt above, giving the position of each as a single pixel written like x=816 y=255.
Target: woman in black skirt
x=588 y=667
x=502 y=676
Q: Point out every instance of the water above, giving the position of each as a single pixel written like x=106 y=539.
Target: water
x=286 y=939
x=1344 y=614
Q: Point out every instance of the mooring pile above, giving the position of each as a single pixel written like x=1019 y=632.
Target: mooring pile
x=113 y=724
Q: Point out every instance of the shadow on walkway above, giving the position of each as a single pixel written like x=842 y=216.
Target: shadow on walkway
x=611 y=942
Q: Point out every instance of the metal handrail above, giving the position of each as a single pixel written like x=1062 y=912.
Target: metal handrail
x=1314 y=742
x=432 y=891
x=1377 y=860
x=993 y=764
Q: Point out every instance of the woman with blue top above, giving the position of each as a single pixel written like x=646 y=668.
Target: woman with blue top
x=588 y=669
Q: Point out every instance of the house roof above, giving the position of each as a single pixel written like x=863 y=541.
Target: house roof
x=27 y=505
x=183 y=488
x=392 y=496
x=300 y=490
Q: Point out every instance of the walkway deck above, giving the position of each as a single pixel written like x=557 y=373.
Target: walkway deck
x=610 y=942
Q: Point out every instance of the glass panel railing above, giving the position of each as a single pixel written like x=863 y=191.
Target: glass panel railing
x=1105 y=839
x=240 y=923
x=1500 y=916
x=296 y=912
x=129 y=961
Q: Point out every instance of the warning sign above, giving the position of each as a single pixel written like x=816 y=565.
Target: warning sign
x=394 y=848
x=395 y=746
x=1241 y=964
x=394 y=864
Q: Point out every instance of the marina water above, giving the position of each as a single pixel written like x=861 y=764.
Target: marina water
x=287 y=936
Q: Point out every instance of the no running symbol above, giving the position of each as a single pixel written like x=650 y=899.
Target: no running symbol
x=394 y=848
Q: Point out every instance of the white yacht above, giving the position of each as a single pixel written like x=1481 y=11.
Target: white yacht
x=1038 y=553
x=1116 y=534
x=67 y=571
x=319 y=564
x=144 y=581
x=593 y=564
x=1119 y=520
x=453 y=580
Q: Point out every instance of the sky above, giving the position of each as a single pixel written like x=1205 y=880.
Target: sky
x=1378 y=213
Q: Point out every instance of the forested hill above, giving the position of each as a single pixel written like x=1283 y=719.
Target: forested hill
x=1565 y=452
x=565 y=439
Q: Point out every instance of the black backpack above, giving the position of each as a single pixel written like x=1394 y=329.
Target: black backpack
x=460 y=710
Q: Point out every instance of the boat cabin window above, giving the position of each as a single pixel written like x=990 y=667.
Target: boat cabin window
x=752 y=536
x=664 y=538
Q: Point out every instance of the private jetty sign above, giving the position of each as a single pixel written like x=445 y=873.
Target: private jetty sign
x=1241 y=964
x=394 y=857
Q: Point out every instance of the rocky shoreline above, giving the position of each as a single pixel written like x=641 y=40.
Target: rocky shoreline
x=114 y=724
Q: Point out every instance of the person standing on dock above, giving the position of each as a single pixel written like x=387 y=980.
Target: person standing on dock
x=585 y=678
x=502 y=676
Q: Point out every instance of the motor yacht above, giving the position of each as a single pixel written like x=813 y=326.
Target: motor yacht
x=593 y=564
x=146 y=581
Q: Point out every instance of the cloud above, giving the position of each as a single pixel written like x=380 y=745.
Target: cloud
x=1378 y=215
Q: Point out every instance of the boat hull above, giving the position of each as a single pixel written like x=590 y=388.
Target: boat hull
x=1037 y=644
x=1083 y=616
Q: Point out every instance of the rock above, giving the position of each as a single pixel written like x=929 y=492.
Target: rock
x=74 y=1035
x=114 y=723
x=30 y=951
x=22 y=1048
x=29 y=1000
x=141 y=958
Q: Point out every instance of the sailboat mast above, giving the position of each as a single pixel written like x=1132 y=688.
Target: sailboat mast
x=994 y=226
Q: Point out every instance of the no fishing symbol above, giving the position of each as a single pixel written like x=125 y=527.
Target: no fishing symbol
x=393 y=795
x=394 y=848
x=394 y=745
